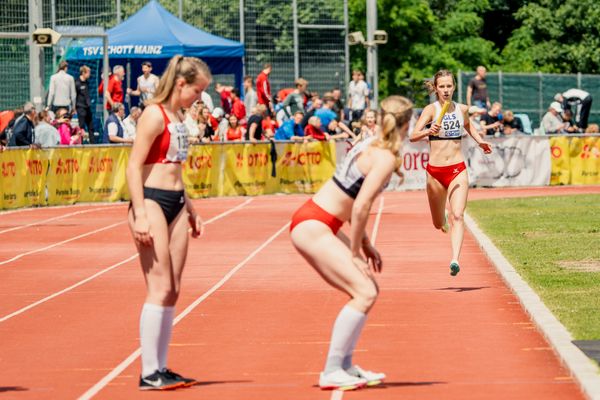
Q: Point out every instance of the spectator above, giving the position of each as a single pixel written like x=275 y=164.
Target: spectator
x=313 y=129
x=235 y=132
x=551 y=122
x=212 y=124
x=317 y=103
x=491 y=122
x=207 y=101
x=62 y=122
x=7 y=123
x=45 y=134
x=114 y=132
x=191 y=123
x=237 y=107
x=294 y=102
x=291 y=129
x=222 y=124
x=147 y=83
x=358 y=95
x=203 y=126
x=114 y=93
x=581 y=100
x=255 y=130
x=511 y=125
x=567 y=118
x=477 y=92
x=83 y=104
x=23 y=129
x=369 y=126
x=338 y=106
x=269 y=126
x=250 y=99
x=329 y=119
x=225 y=96
x=263 y=89
x=76 y=136
x=130 y=123
x=475 y=116
x=61 y=93
x=592 y=128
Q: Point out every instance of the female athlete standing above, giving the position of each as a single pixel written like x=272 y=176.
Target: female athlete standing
x=446 y=172
x=345 y=263
x=160 y=211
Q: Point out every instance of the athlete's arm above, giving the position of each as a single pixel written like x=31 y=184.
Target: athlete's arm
x=485 y=146
x=420 y=132
x=196 y=223
x=381 y=170
x=150 y=125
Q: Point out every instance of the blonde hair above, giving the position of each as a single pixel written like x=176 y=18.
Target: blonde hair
x=396 y=111
x=592 y=128
x=314 y=121
x=432 y=84
x=188 y=68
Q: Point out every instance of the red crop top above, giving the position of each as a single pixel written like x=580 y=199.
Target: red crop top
x=171 y=145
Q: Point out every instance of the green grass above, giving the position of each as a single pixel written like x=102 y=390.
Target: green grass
x=543 y=238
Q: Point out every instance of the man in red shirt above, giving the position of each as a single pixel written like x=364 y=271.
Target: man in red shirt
x=114 y=93
x=238 y=108
x=263 y=89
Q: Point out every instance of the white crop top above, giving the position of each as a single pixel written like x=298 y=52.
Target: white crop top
x=348 y=177
x=452 y=123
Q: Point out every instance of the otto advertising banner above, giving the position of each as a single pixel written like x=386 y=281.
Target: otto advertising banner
x=247 y=169
x=87 y=175
x=23 y=178
x=514 y=161
x=584 y=157
x=201 y=171
x=559 y=151
x=304 y=167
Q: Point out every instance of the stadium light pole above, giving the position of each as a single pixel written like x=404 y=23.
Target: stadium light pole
x=372 y=69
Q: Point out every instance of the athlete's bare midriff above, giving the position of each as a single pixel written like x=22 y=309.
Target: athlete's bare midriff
x=163 y=176
x=445 y=152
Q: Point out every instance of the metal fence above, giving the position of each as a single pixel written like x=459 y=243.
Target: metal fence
x=298 y=37
x=532 y=94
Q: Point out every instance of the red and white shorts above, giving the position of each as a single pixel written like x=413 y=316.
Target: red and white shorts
x=311 y=211
x=446 y=174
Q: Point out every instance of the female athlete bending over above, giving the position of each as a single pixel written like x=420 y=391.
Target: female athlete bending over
x=446 y=172
x=160 y=211
x=345 y=263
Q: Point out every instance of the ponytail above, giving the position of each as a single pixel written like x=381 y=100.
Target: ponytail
x=188 y=68
x=396 y=111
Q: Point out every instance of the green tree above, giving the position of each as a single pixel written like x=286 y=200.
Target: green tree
x=555 y=36
x=425 y=36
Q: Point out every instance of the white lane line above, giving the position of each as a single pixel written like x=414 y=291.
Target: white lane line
x=52 y=219
x=85 y=204
x=377 y=221
x=132 y=357
x=60 y=243
x=86 y=280
x=50 y=297
x=339 y=394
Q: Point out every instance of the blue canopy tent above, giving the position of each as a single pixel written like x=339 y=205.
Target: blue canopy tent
x=154 y=34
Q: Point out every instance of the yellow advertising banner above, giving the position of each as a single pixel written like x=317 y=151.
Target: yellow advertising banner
x=560 y=158
x=66 y=175
x=12 y=172
x=201 y=171
x=103 y=174
x=585 y=160
x=34 y=175
x=305 y=167
x=247 y=169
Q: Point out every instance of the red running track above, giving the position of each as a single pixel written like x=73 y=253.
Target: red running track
x=254 y=318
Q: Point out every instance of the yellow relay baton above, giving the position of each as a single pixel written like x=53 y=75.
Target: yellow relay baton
x=444 y=110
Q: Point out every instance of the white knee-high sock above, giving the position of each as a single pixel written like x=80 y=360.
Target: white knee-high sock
x=150 y=333
x=347 y=362
x=342 y=336
x=165 y=336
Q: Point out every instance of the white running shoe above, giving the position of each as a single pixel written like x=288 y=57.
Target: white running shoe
x=340 y=380
x=446 y=226
x=372 y=378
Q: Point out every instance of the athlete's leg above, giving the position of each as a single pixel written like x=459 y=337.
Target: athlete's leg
x=436 y=194
x=457 y=197
x=157 y=311
x=332 y=259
